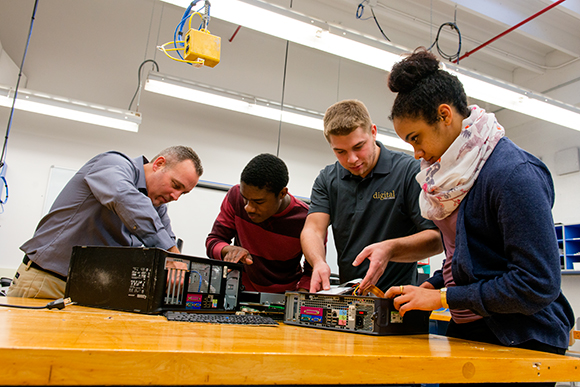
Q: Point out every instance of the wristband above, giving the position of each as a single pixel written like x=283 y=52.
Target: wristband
x=443 y=292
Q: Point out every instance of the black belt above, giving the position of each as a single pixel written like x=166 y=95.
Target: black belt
x=27 y=260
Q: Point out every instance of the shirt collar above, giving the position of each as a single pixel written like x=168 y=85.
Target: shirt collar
x=141 y=182
x=383 y=166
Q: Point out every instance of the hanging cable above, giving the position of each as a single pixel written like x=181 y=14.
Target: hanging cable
x=178 y=42
x=283 y=92
x=159 y=30
x=199 y=47
x=282 y=102
x=149 y=31
x=8 y=127
x=444 y=55
x=360 y=11
x=3 y=188
x=139 y=81
x=454 y=27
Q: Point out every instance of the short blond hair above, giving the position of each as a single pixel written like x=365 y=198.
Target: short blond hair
x=345 y=117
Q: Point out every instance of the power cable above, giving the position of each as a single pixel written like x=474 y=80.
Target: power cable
x=282 y=102
x=139 y=81
x=360 y=11
x=283 y=93
x=8 y=127
x=61 y=303
x=149 y=32
x=444 y=55
x=453 y=25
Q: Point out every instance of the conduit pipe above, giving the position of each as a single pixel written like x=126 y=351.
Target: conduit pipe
x=468 y=53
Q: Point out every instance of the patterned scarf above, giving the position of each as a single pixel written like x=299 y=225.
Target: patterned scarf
x=446 y=182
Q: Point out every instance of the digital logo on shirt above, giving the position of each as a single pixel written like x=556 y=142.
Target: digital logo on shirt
x=384 y=195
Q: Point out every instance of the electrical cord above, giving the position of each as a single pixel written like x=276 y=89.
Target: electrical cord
x=179 y=31
x=378 y=25
x=179 y=28
x=179 y=45
x=139 y=79
x=200 y=279
x=444 y=55
x=359 y=15
x=61 y=303
x=360 y=11
x=9 y=125
x=372 y=289
x=3 y=188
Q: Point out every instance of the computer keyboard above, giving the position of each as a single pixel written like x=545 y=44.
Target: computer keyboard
x=219 y=318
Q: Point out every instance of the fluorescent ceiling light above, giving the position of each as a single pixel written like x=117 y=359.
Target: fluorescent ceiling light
x=393 y=142
x=243 y=103
x=302 y=29
x=61 y=107
x=514 y=98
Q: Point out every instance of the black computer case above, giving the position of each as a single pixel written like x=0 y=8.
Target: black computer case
x=151 y=280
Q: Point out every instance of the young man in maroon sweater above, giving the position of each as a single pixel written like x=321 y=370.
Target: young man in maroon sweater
x=265 y=222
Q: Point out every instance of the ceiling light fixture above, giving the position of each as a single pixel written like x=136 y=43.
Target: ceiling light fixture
x=244 y=103
x=514 y=98
x=302 y=29
x=67 y=108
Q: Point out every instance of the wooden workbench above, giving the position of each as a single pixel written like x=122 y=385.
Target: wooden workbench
x=85 y=346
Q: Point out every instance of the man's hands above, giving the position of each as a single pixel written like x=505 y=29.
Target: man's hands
x=379 y=255
x=320 y=277
x=175 y=250
x=236 y=254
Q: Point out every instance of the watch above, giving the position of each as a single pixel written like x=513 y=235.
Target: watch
x=443 y=293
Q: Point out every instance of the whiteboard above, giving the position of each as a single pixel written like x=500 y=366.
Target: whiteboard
x=57 y=179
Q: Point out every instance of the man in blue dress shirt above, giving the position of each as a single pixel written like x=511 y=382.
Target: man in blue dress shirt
x=112 y=200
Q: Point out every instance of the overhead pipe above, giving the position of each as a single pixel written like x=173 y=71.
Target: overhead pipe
x=468 y=53
x=235 y=33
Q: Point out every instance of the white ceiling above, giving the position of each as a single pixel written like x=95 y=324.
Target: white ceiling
x=541 y=55
x=90 y=50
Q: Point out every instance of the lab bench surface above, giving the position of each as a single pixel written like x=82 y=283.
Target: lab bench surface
x=87 y=346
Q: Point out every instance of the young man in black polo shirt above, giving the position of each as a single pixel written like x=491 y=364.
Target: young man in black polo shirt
x=370 y=197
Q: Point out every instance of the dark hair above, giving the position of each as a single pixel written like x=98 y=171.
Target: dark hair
x=179 y=153
x=266 y=171
x=422 y=86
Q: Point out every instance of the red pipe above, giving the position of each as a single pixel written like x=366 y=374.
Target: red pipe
x=509 y=30
x=237 y=29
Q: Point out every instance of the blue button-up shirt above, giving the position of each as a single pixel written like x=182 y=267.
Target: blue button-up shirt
x=104 y=204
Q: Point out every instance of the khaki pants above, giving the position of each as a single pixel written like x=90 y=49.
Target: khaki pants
x=33 y=283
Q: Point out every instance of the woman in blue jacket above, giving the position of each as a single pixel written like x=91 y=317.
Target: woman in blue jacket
x=492 y=202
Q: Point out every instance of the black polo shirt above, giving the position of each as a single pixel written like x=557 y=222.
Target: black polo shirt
x=384 y=205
